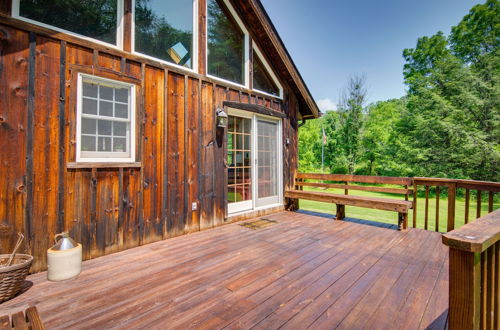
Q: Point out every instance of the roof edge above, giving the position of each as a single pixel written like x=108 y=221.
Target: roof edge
x=277 y=42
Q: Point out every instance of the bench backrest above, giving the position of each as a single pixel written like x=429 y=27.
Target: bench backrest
x=343 y=181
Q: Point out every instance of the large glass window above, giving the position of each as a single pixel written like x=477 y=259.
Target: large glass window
x=95 y=19
x=267 y=156
x=226 y=44
x=164 y=30
x=262 y=80
x=105 y=121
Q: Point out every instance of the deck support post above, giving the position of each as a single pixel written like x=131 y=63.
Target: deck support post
x=340 y=212
x=402 y=221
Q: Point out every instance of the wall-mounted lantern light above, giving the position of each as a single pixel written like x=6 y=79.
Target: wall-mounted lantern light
x=221 y=117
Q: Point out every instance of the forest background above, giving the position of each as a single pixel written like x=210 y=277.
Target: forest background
x=447 y=124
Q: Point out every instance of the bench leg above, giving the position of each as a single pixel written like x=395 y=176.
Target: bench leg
x=403 y=221
x=340 y=212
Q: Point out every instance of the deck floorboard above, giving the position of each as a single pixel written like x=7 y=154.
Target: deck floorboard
x=305 y=271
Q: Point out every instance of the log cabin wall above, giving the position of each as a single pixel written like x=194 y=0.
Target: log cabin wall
x=109 y=209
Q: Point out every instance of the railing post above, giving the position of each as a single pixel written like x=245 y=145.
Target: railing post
x=465 y=290
x=452 y=190
x=414 y=203
x=474 y=291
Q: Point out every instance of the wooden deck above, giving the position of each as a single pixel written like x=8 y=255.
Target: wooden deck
x=305 y=271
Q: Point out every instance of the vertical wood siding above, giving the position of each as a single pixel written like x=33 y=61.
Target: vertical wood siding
x=111 y=209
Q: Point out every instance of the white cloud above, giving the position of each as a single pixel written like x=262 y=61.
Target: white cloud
x=326 y=105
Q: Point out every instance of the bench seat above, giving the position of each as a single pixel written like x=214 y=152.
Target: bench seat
x=387 y=204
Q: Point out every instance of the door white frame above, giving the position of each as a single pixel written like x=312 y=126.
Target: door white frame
x=243 y=206
x=271 y=200
x=246 y=206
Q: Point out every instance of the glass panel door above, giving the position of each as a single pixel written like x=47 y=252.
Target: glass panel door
x=239 y=161
x=267 y=163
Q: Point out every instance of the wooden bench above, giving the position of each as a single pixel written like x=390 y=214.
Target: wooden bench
x=341 y=200
x=27 y=320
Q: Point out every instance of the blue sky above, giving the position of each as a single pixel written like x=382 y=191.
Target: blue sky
x=330 y=40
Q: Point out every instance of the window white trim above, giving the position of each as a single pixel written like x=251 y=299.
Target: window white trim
x=249 y=206
x=132 y=137
x=119 y=25
x=194 y=55
x=270 y=71
x=261 y=203
x=246 y=50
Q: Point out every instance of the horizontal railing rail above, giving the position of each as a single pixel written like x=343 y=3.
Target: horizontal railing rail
x=451 y=186
x=474 y=288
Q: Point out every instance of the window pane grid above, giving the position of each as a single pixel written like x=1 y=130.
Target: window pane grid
x=238 y=159
x=105 y=129
x=96 y=99
x=85 y=115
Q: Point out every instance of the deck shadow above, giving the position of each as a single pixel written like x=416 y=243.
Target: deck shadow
x=354 y=220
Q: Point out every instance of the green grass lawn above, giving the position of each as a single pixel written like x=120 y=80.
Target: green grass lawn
x=391 y=217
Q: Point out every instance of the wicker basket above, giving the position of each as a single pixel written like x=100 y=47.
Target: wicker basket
x=12 y=277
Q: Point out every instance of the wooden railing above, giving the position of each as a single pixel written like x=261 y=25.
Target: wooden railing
x=474 y=254
x=452 y=186
x=424 y=190
x=346 y=182
x=474 y=274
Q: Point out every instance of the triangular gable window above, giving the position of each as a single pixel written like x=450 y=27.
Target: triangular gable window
x=263 y=79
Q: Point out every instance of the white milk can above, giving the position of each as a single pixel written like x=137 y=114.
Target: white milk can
x=64 y=259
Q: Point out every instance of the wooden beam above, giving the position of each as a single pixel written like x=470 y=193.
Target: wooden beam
x=62 y=136
x=127 y=26
x=475 y=236
x=452 y=189
x=356 y=178
x=5 y=7
x=30 y=131
x=202 y=36
x=254 y=108
x=399 y=191
x=465 y=290
x=361 y=201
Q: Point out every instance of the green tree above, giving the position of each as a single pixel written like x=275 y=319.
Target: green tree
x=451 y=121
x=351 y=106
x=478 y=33
x=309 y=146
x=379 y=127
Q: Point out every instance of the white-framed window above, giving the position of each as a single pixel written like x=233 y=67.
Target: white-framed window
x=228 y=44
x=98 y=21
x=166 y=30
x=254 y=160
x=264 y=78
x=105 y=120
